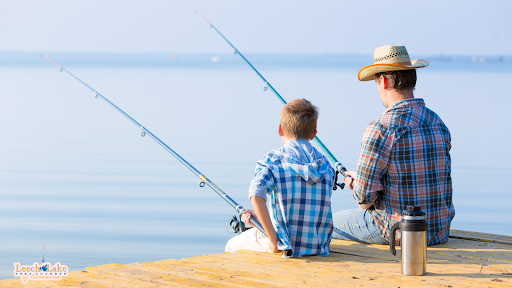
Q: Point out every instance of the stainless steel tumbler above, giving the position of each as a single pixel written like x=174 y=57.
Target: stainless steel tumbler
x=413 y=231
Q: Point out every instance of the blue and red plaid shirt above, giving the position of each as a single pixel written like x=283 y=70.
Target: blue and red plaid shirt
x=405 y=160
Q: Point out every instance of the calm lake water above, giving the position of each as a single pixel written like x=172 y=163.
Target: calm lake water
x=78 y=177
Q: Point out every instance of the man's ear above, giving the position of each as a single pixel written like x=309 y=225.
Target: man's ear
x=385 y=82
x=313 y=135
x=280 y=130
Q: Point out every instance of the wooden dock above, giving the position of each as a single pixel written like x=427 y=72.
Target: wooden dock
x=469 y=259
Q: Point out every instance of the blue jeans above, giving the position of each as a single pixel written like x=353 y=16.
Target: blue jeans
x=357 y=225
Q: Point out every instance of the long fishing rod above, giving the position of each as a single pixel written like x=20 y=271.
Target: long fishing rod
x=145 y=132
x=338 y=166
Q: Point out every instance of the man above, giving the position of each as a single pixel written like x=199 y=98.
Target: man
x=405 y=158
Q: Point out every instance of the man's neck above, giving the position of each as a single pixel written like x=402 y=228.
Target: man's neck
x=395 y=97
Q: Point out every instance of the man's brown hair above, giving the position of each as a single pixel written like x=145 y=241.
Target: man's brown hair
x=400 y=80
x=298 y=119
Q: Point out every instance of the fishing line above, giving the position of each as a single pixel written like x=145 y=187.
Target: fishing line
x=338 y=166
x=204 y=179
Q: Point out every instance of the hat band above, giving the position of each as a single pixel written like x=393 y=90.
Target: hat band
x=392 y=55
x=406 y=63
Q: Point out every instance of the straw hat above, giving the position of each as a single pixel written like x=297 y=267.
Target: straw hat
x=389 y=58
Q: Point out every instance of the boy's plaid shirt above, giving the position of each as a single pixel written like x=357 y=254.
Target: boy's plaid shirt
x=405 y=160
x=300 y=197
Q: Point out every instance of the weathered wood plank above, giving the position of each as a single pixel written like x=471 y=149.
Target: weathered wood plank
x=182 y=272
x=481 y=237
x=460 y=262
x=249 y=268
x=341 y=268
x=448 y=251
x=380 y=252
x=273 y=271
x=78 y=279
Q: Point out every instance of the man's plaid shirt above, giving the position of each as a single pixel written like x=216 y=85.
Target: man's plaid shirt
x=299 y=180
x=405 y=160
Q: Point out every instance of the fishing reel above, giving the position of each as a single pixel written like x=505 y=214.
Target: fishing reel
x=237 y=225
x=342 y=185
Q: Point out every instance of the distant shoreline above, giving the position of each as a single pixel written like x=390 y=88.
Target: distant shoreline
x=349 y=62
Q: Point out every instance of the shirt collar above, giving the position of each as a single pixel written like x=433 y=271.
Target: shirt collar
x=297 y=145
x=296 y=142
x=408 y=102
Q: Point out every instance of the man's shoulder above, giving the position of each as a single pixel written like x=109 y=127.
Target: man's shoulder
x=402 y=119
x=379 y=125
x=396 y=117
x=432 y=117
x=411 y=112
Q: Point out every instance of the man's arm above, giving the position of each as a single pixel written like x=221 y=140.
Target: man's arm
x=349 y=181
x=372 y=164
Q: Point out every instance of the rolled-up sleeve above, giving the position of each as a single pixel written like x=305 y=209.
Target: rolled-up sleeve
x=259 y=190
x=372 y=164
x=262 y=182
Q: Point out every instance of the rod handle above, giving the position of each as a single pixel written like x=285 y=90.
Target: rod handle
x=341 y=169
x=257 y=225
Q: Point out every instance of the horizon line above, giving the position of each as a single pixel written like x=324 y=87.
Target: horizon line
x=249 y=53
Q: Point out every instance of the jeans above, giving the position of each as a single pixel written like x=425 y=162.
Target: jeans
x=357 y=225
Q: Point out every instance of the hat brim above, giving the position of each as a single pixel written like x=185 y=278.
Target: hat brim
x=368 y=73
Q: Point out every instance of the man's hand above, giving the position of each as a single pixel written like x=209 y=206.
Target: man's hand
x=349 y=181
x=246 y=217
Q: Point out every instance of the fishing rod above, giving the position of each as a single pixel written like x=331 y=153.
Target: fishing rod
x=204 y=179
x=338 y=166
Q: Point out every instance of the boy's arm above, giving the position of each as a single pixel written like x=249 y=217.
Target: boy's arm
x=260 y=208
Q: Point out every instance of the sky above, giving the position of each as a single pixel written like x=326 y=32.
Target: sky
x=263 y=26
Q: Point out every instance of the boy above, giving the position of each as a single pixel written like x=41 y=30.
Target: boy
x=299 y=180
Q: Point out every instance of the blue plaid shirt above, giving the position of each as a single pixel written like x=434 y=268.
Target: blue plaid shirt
x=299 y=181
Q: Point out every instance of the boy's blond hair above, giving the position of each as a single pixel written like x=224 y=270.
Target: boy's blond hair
x=298 y=119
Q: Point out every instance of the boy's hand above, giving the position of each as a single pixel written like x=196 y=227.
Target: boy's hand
x=260 y=209
x=273 y=247
x=349 y=181
x=246 y=217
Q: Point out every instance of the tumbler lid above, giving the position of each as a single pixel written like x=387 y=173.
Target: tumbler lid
x=413 y=210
